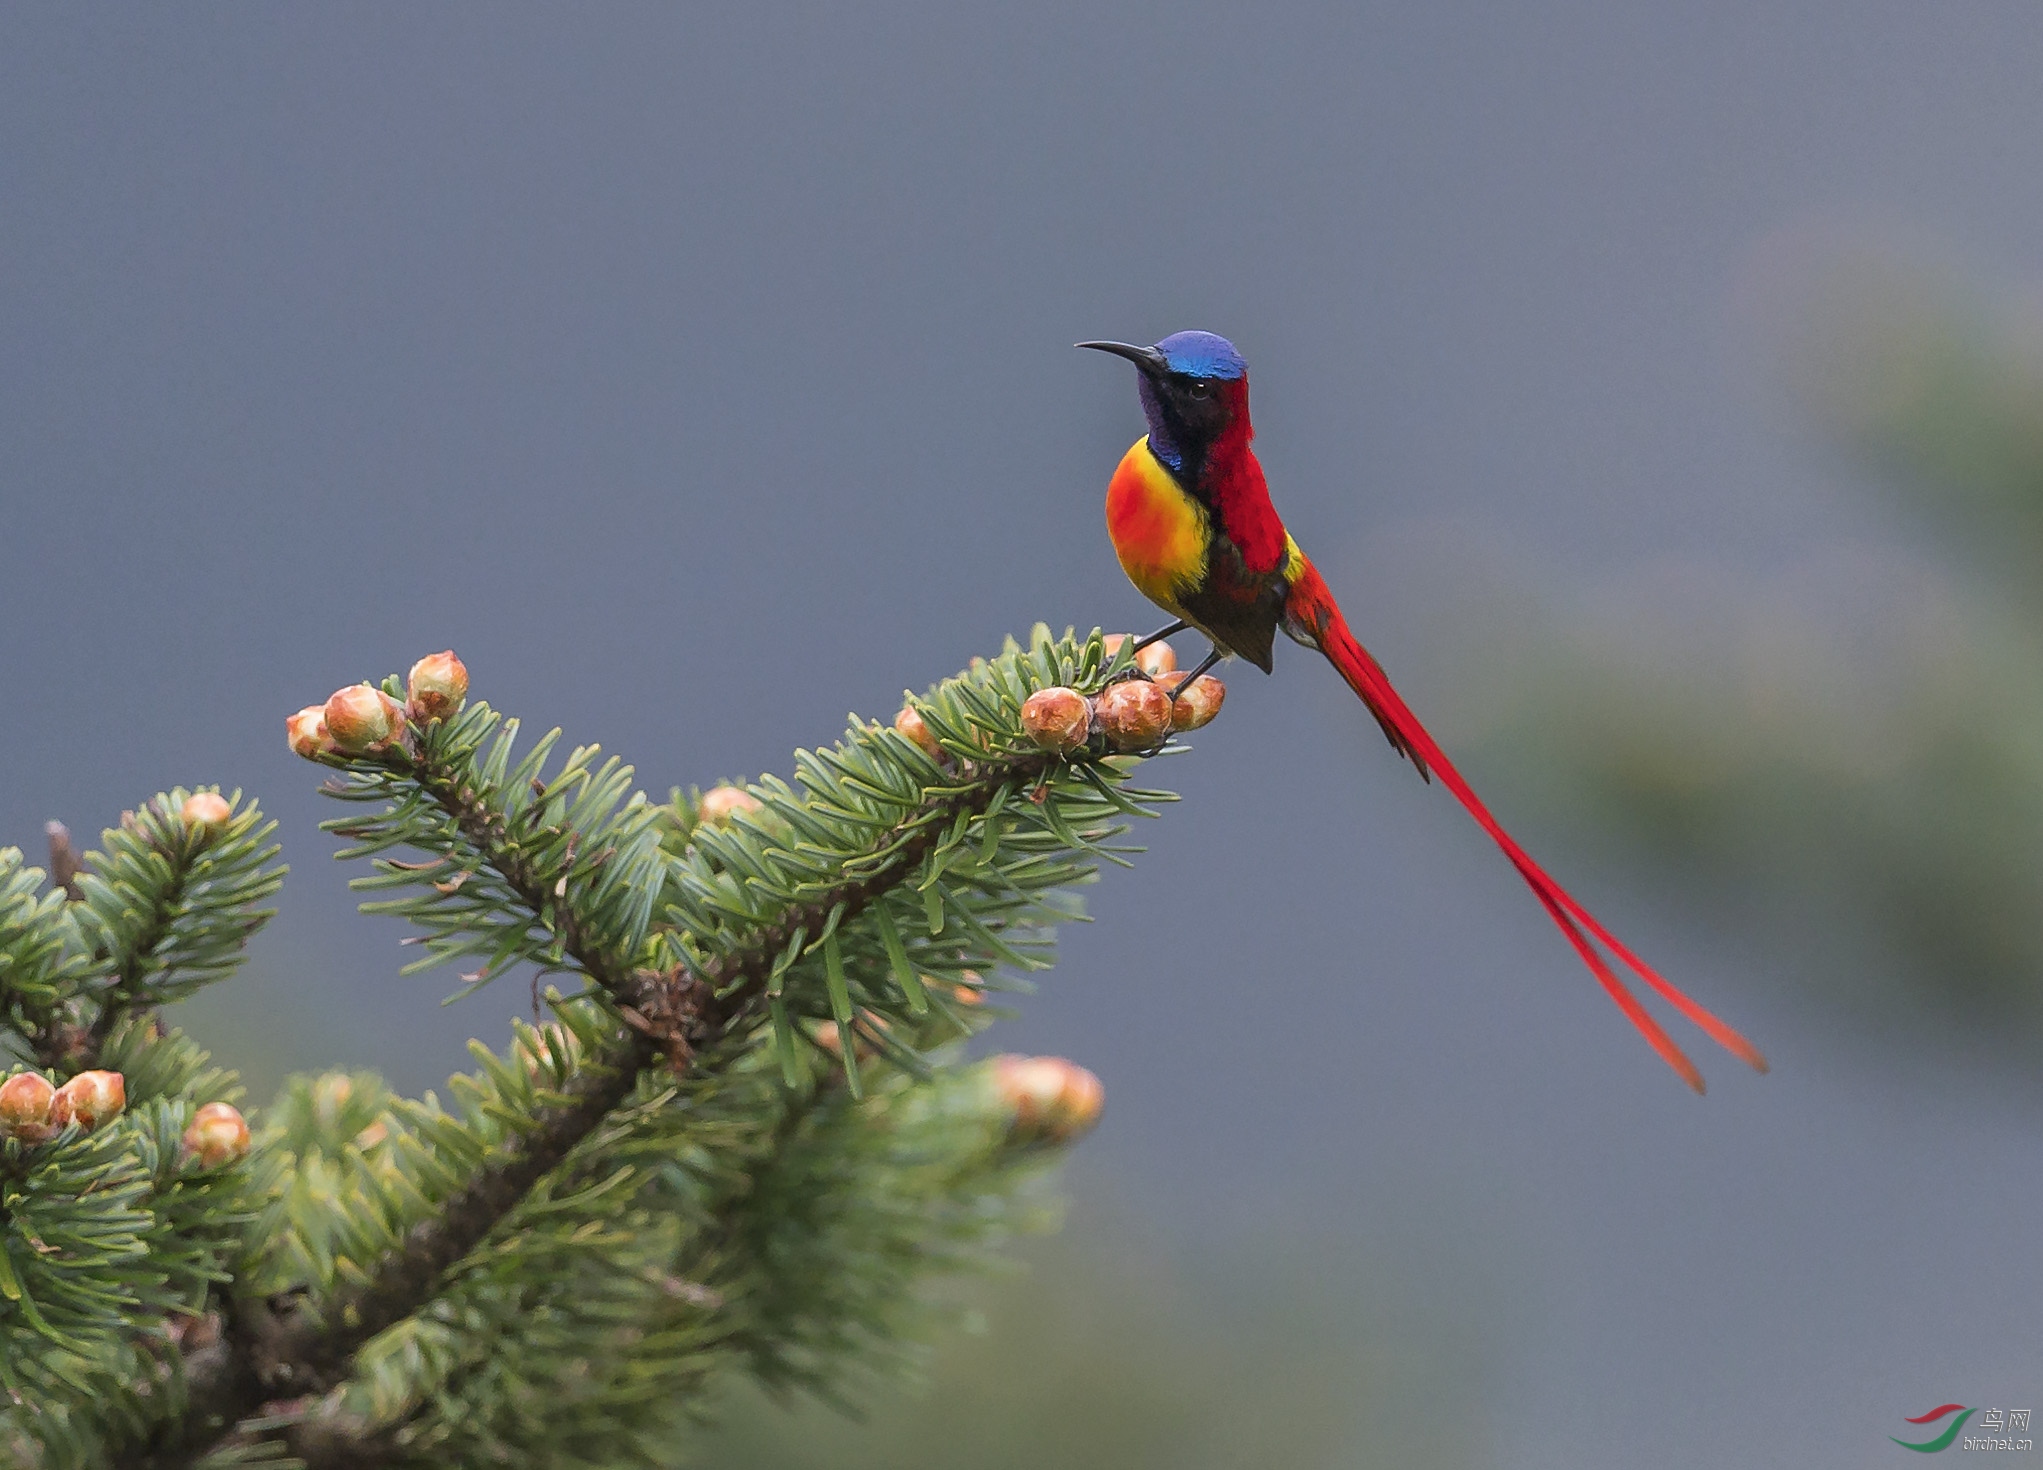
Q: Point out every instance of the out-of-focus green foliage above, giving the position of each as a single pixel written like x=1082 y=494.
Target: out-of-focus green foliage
x=1103 y=1356
x=1854 y=754
x=1931 y=381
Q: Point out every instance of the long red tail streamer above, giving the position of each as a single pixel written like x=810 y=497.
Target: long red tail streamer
x=1313 y=610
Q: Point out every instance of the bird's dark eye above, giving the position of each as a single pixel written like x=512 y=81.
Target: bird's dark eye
x=1199 y=388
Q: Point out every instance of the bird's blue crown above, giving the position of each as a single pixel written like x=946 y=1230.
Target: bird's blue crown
x=1202 y=355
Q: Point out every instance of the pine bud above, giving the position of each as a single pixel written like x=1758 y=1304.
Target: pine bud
x=910 y=723
x=1057 y=718
x=720 y=803
x=306 y=731
x=1196 y=703
x=330 y=1094
x=1156 y=658
x=437 y=687
x=1134 y=713
x=1051 y=1099
x=206 y=809
x=190 y=1333
x=218 y=1135
x=831 y=1038
x=89 y=1099
x=25 y=1103
x=1151 y=658
x=362 y=718
x=552 y=1047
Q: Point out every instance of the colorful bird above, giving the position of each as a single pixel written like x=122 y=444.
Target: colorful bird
x=1192 y=523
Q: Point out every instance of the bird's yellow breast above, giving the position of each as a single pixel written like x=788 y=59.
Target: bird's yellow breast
x=1160 y=533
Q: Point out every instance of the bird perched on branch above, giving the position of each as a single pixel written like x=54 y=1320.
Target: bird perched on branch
x=1192 y=523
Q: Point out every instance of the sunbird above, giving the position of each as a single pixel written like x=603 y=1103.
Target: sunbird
x=1192 y=523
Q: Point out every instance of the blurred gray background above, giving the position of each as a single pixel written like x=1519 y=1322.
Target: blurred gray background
x=703 y=374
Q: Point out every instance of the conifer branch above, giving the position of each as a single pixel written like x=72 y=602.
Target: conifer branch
x=269 y=1354
x=272 y=1357
x=129 y=964
x=169 y=903
x=40 y=966
x=486 y=830
x=738 y=978
x=688 y=947
x=309 y=1354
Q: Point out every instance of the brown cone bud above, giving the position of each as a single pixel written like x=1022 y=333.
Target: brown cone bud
x=1157 y=658
x=910 y=723
x=89 y=1099
x=437 y=687
x=1051 y=1099
x=1152 y=658
x=206 y=809
x=330 y=1093
x=306 y=731
x=831 y=1039
x=1134 y=713
x=720 y=803
x=1196 y=703
x=218 y=1135
x=25 y=1103
x=362 y=718
x=1057 y=719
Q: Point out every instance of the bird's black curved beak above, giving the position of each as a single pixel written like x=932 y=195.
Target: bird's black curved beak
x=1147 y=358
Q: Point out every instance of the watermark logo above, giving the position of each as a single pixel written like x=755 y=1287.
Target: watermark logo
x=1943 y=1441
x=1999 y=1429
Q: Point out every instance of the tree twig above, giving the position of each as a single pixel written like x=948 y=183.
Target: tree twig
x=65 y=864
